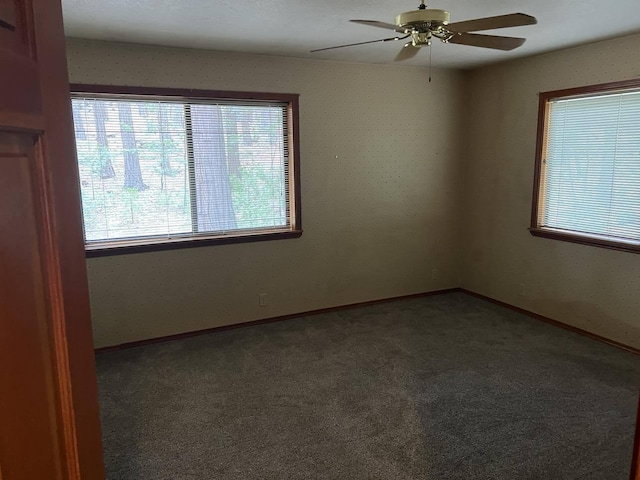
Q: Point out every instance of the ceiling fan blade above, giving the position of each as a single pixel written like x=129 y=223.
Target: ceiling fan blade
x=375 y=23
x=489 y=23
x=487 y=41
x=391 y=39
x=407 y=52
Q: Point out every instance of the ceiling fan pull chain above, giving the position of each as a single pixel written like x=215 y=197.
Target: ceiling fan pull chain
x=429 y=63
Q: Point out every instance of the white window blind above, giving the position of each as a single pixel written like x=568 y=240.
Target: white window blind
x=161 y=170
x=591 y=166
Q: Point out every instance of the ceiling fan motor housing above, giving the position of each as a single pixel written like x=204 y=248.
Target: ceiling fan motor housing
x=426 y=19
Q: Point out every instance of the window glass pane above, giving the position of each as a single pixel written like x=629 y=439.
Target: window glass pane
x=592 y=175
x=133 y=168
x=258 y=163
x=240 y=167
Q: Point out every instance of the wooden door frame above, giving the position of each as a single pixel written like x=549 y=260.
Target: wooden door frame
x=72 y=335
x=635 y=463
x=69 y=346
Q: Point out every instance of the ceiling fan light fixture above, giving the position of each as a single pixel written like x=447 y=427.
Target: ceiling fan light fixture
x=420 y=39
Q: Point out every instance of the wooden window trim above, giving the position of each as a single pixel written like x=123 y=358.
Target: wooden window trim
x=153 y=93
x=538 y=194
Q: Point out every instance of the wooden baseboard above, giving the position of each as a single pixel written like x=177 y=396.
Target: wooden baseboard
x=280 y=318
x=537 y=316
x=551 y=321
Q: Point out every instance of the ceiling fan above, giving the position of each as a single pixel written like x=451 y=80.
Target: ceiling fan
x=423 y=24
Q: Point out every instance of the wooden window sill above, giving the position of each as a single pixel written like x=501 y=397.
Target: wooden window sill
x=595 y=241
x=128 y=247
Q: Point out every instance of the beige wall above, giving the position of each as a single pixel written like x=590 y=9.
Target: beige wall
x=380 y=182
x=380 y=188
x=592 y=288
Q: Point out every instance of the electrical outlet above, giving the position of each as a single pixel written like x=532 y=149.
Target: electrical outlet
x=434 y=274
x=262 y=299
x=522 y=289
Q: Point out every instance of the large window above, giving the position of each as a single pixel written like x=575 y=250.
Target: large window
x=168 y=168
x=587 y=187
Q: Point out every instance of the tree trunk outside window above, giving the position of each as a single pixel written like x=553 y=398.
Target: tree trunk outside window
x=132 y=172
x=213 y=190
x=106 y=170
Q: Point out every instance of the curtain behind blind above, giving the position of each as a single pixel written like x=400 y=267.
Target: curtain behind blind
x=592 y=170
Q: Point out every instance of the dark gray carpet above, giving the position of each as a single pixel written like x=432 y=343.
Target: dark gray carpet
x=442 y=387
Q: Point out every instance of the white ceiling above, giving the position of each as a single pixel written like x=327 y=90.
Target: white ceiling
x=293 y=27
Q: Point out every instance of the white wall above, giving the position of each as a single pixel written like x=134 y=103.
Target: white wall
x=380 y=188
x=592 y=288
